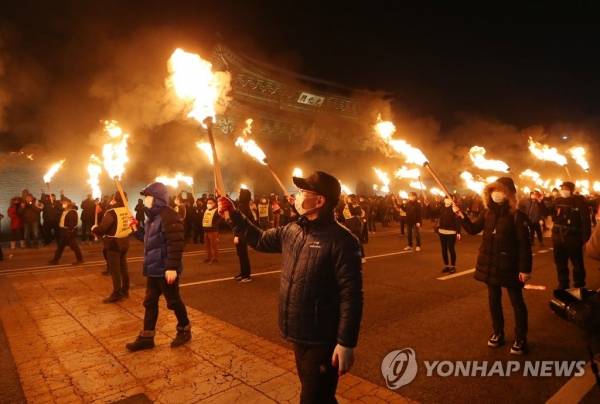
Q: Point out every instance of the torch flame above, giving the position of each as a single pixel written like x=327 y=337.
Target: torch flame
x=385 y=129
x=475 y=186
x=243 y=186
x=94 y=169
x=405 y=172
x=175 y=180
x=596 y=186
x=207 y=150
x=345 y=189
x=195 y=83
x=436 y=191
x=403 y=194
x=417 y=185
x=578 y=154
x=546 y=153
x=477 y=155
x=297 y=172
x=52 y=171
x=383 y=176
x=583 y=186
x=115 y=152
x=249 y=146
x=533 y=175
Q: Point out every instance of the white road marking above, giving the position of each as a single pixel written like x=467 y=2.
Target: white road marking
x=94 y=263
x=278 y=271
x=575 y=389
x=456 y=275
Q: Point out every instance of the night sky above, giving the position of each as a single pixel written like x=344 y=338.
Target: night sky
x=525 y=65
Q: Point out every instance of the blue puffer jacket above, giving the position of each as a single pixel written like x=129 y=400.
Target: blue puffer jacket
x=162 y=234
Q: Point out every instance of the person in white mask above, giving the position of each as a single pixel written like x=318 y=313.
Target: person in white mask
x=320 y=298
x=504 y=259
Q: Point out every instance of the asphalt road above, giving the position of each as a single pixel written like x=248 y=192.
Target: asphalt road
x=406 y=306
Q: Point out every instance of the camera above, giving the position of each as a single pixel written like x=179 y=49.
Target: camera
x=580 y=306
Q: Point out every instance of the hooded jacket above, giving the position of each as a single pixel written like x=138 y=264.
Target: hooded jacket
x=505 y=246
x=162 y=234
x=320 y=290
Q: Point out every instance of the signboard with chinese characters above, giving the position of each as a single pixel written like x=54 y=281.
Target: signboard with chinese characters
x=311 y=99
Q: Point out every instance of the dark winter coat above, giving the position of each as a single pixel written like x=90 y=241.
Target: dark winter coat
x=320 y=292
x=30 y=212
x=88 y=210
x=448 y=220
x=505 y=246
x=163 y=236
x=413 y=211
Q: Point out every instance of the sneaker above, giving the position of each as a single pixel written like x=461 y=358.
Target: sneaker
x=519 y=347
x=446 y=269
x=140 y=343
x=363 y=260
x=496 y=340
x=246 y=280
x=418 y=249
x=451 y=270
x=408 y=248
x=124 y=294
x=238 y=278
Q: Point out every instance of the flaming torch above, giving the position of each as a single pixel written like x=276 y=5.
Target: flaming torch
x=547 y=153
x=477 y=155
x=475 y=186
x=578 y=154
x=52 y=172
x=250 y=147
x=173 y=182
x=207 y=150
x=406 y=173
x=384 y=178
x=205 y=91
x=411 y=154
x=297 y=172
x=94 y=170
x=115 y=156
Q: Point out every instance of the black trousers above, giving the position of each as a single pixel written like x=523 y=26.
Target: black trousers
x=86 y=230
x=571 y=249
x=535 y=229
x=68 y=239
x=402 y=225
x=448 y=242
x=50 y=231
x=412 y=228
x=371 y=223
x=156 y=287
x=241 y=249
x=116 y=262
x=317 y=376
x=519 y=308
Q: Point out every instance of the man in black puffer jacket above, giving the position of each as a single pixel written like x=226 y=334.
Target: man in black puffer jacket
x=504 y=259
x=320 y=293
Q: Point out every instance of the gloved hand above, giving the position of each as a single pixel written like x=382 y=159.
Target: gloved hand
x=524 y=277
x=170 y=275
x=225 y=206
x=133 y=223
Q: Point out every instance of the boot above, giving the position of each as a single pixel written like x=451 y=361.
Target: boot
x=143 y=341
x=114 y=297
x=53 y=262
x=184 y=334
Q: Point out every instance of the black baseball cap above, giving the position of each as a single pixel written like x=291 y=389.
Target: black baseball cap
x=321 y=183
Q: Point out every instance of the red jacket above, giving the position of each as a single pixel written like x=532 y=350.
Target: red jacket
x=16 y=222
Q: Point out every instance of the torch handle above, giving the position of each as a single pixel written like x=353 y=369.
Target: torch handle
x=568 y=172
x=123 y=197
x=437 y=179
x=285 y=192
x=219 y=186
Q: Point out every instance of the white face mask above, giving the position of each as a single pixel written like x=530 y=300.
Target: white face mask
x=565 y=193
x=447 y=202
x=184 y=195
x=299 y=201
x=210 y=206
x=148 y=201
x=498 y=196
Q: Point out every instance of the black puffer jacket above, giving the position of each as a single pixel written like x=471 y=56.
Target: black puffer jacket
x=320 y=293
x=505 y=246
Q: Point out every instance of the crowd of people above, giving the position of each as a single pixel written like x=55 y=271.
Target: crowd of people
x=317 y=217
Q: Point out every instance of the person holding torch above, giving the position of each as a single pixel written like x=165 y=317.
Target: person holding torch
x=321 y=297
x=504 y=259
